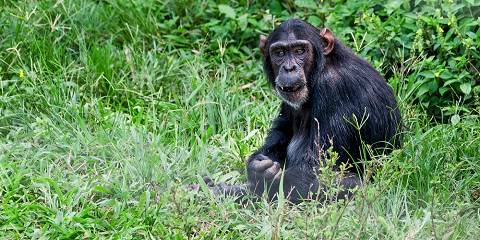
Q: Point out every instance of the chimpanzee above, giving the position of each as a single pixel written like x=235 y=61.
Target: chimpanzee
x=325 y=88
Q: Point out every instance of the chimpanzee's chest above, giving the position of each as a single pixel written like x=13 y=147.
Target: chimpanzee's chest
x=298 y=149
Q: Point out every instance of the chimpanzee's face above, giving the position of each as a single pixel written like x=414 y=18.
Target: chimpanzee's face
x=291 y=60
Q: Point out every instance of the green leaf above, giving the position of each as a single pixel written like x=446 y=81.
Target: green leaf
x=276 y=7
x=427 y=74
x=306 y=4
x=391 y=6
x=422 y=90
x=243 y=21
x=432 y=86
x=466 y=88
x=227 y=10
x=471 y=34
x=315 y=21
x=443 y=90
x=476 y=90
x=455 y=119
x=446 y=75
x=451 y=81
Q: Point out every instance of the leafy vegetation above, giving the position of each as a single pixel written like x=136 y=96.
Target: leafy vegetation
x=108 y=109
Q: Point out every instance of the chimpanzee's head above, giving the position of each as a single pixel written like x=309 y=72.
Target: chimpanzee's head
x=293 y=52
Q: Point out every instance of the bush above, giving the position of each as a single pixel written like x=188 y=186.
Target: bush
x=427 y=50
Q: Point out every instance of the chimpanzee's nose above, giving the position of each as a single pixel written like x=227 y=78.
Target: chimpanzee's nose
x=289 y=67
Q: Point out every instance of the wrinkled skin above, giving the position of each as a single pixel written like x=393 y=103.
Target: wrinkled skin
x=291 y=61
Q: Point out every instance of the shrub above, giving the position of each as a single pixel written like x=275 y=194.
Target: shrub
x=427 y=50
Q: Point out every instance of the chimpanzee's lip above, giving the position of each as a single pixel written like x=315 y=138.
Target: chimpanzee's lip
x=290 y=89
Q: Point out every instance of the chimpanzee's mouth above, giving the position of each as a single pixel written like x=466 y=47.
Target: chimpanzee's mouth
x=291 y=89
x=294 y=95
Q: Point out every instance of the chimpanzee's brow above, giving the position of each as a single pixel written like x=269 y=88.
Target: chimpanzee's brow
x=289 y=43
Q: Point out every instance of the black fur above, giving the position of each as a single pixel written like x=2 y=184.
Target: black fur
x=341 y=85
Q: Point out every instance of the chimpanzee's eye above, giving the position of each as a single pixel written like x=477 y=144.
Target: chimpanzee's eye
x=279 y=53
x=299 y=51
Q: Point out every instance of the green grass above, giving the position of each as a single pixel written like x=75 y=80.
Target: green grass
x=107 y=112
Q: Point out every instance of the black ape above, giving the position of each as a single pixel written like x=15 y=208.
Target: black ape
x=323 y=85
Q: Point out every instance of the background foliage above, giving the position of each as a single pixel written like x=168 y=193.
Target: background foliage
x=108 y=108
x=427 y=50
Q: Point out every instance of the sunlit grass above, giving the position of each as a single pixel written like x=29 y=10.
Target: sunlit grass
x=103 y=123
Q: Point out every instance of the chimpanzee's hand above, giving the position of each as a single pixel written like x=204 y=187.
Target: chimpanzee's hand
x=260 y=169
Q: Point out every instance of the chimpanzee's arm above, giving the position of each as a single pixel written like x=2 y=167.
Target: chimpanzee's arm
x=265 y=164
x=276 y=143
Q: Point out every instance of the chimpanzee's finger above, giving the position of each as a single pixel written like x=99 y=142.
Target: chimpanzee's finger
x=272 y=171
x=260 y=166
x=278 y=176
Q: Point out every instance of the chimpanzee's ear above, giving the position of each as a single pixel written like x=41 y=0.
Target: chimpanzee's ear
x=328 y=40
x=261 y=43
